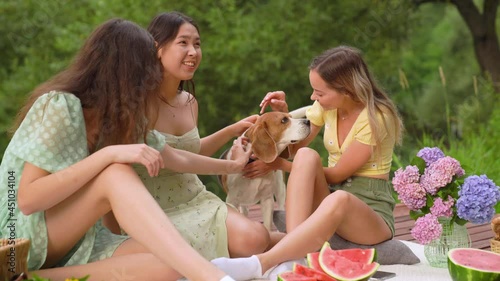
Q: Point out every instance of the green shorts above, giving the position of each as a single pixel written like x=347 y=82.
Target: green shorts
x=376 y=193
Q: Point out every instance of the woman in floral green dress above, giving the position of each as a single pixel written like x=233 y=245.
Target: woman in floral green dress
x=67 y=166
x=204 y=220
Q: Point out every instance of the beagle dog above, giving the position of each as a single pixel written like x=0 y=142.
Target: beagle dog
x=269 y=136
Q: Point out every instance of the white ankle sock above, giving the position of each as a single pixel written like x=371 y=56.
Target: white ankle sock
x=227 y=278
x=240 y=268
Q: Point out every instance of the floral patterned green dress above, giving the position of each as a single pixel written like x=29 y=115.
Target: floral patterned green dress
x=51 y=137
x=199 y=215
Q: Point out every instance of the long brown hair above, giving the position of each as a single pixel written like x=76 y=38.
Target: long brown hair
x=344 y=70
x=116 y=75
x=164 y=28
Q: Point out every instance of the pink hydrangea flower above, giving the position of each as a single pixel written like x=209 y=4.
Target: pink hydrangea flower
x=426 y=229
x=412 y=195
x=443 y=208
x=440 y=173
x=403 y=177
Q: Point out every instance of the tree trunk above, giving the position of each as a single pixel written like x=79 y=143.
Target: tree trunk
x=484 y=35
x=483 y=30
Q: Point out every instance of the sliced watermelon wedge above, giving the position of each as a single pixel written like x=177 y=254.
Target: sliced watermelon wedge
x=292 y=276
x=466 y=264
x=359 y=255
x=313 y=261
x=311 y=272
x=341 y=268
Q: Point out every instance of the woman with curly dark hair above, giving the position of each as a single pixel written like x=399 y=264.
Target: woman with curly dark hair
x=69 y=164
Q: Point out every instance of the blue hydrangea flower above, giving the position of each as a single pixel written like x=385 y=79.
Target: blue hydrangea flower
x=477 y=199
x=430 y=155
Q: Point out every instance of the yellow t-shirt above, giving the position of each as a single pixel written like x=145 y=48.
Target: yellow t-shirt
x=379 y=163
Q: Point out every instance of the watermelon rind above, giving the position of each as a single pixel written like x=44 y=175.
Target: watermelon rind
x=471 y=272
x=313 y=261
x=327 y=254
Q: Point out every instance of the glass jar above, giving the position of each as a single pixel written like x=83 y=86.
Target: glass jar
x=453 y=236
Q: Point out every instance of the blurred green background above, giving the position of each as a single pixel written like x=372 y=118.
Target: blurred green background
x=422 y=52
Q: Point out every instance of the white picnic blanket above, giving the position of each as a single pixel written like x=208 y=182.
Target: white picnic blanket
x=418 y=272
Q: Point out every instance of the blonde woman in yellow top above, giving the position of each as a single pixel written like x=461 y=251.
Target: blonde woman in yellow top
x=352 y=196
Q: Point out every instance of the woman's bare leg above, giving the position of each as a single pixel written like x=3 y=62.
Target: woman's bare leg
x=276 y=237
x=342 y=213
x=245 y=237
x=306 y=187
x=132 y=267
x=118 y=188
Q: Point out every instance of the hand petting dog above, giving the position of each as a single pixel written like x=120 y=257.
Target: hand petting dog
x=271 y=134
x=276 y=100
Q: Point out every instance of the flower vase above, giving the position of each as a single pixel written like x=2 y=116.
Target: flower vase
x=453 y=236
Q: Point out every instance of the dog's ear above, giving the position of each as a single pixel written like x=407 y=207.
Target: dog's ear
x=263 y=146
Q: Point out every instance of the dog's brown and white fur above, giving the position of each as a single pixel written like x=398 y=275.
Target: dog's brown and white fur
x=269 y=136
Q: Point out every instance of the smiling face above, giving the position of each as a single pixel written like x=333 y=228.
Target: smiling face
x=327 y=97
x=182 y=56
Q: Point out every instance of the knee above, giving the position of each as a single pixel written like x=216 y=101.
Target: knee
x=116 y=173
x=308 y=156
x=257 y=238
x=339 y=201
x=113 y=178
x=253 y=238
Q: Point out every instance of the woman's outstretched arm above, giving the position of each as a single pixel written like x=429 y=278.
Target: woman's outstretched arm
x=187 y=162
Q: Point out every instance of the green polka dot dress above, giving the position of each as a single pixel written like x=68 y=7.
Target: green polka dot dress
x=198 y=214
x=52 y=137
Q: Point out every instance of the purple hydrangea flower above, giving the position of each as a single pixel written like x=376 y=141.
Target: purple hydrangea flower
x=426 y=229
x=477 y=199
x=443 y=208
x=430 y=155
x=440 y=173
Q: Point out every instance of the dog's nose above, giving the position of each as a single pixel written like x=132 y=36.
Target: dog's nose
x=307 y=122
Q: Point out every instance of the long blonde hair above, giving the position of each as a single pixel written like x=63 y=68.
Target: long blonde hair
x=344 y=70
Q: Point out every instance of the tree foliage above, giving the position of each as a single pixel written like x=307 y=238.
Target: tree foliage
x=249 y=47
x=255 y=46
x=481 y=22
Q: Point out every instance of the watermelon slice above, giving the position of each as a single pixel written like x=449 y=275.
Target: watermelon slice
x=359 y=255
x=313 y=261
x=342 y=268
x=311 y=272
x=355 y=254
x=292 y=276
x=466 y=264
